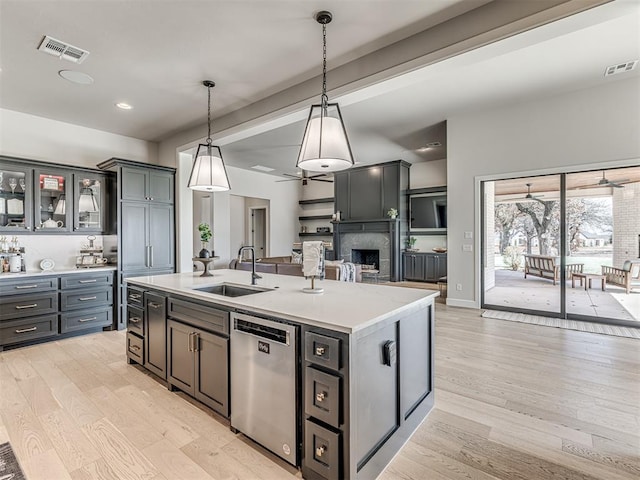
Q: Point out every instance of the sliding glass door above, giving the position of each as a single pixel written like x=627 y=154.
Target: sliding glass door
x=564 y=245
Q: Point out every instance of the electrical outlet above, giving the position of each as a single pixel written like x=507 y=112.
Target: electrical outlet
x=467 y=248
x=468 y=235
x=459 y=286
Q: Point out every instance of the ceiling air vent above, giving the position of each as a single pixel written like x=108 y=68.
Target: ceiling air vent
x=620 y=68
x=62 y=50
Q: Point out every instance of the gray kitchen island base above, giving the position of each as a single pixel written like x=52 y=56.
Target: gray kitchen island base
x=364 y=365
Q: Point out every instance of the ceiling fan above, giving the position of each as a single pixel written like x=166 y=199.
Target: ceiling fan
x=305 y=178
x=605 y=182
x=529 y=195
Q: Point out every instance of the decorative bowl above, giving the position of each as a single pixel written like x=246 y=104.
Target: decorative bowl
x=439 y=249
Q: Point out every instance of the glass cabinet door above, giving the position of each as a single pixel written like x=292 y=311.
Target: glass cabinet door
x=52 y=212
x=16 y=194
x=89 y=197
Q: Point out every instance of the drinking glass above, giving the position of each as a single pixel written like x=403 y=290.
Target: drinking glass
x=22 y=184
x=13 y=183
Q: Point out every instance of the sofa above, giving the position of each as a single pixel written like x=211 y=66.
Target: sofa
x=627 y=277
x=548 y=267
x=284 y=266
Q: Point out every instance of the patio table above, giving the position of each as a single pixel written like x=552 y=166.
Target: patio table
x=587 y=278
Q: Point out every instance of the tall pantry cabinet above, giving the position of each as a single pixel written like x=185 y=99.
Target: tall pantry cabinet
x=145 y=223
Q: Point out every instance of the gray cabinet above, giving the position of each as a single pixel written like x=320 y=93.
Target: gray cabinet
x=145 y=184
x=424 y=267
x=367 y=193
x=155 y=333
x=144 y=196
x=198 y=352
x=197 y=363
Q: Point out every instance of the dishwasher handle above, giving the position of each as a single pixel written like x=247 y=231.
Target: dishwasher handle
x=262 y=331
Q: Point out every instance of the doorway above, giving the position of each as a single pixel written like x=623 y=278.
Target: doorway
x=559 y=245
x=258 y=230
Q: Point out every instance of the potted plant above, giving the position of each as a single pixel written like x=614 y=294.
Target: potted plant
x=411 y=243
x=392 y=213
x=205 y=236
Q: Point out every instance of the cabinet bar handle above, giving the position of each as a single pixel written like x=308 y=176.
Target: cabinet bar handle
x=135 y=296
x=134 y=319
x=151 y=253
x=20 y=287
x=134 y=347
x=25 y=330
x=189 y=342
x=84 y=299
x=320 y=450
x=320 y=351
x=88 y=281
x=154 y=305
x=321 y=396
x=21 y=307
x=196 y=342
x=87 y=319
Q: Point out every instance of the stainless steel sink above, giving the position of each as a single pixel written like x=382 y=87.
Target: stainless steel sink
x=232 y=290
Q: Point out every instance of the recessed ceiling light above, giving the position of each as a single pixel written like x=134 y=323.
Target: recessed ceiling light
x=76 y=77
x=124 y=106
x=262 y=168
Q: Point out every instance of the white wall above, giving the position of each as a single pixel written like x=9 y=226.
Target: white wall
x=237 y=226
x=37 y=138
x=584 y=129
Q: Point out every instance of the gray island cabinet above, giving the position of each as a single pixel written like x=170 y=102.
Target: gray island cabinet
x=364 y=360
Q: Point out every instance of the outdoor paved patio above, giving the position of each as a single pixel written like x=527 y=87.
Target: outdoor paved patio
x=513 y=290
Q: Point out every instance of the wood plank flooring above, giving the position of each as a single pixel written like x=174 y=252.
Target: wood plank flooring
x=513 y=401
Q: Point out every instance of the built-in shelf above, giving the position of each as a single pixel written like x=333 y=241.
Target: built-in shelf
x=316 y=217
x=316 y=200
x=314 y=234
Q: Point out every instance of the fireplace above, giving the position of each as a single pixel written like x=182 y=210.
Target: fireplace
x=366 y=257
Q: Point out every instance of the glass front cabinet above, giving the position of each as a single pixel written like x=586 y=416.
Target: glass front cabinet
x=89 y=202
x=53 y=211
x=16 y=198
x=48 y=199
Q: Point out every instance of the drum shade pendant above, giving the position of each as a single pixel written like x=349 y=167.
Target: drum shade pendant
x=87 y=201
x=325 y=146
x=208 y=173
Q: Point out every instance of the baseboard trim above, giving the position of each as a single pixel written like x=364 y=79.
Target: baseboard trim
x=456 y=302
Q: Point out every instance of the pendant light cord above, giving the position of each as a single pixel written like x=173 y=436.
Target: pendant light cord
x=208 y=115
x=325 y=99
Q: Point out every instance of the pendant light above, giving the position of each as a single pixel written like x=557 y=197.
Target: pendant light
x=61 y=206
x=208 y=173
x=325 y=146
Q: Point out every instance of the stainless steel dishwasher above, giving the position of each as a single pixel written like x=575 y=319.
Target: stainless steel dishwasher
x=263 y=383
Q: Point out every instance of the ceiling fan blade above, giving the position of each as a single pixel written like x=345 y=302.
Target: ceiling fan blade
x=320 y=180
x=616 y=185
x=288 y=180
x=292 y=176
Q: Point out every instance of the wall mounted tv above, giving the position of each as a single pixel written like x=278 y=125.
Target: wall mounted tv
x=428 y=212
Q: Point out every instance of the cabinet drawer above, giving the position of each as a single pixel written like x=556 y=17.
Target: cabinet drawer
x=28 y=329
x=71 y=322
x=198 y=315
x=135 y=320
x=26 y=285
x=19 y=306
x=322 y=396
x=135 y=348
x=322 y=350
x=322 y=450
x=85 y=298
x=135 y=296
x=86 y=281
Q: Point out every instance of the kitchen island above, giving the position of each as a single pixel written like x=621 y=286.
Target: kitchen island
x=363 y=364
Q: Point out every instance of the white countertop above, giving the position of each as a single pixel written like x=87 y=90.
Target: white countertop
x=45 y=273
x=345 y=307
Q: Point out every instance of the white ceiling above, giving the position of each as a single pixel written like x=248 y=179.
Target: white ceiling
x=155 y=54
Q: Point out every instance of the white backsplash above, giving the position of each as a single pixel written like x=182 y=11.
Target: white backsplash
x=62 y=249
x=425 y=243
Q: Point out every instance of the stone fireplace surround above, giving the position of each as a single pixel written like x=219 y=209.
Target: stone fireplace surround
x=367 y=241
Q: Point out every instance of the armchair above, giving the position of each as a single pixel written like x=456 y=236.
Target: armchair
x=627 y=277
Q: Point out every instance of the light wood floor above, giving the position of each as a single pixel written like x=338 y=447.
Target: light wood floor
x=513 y=401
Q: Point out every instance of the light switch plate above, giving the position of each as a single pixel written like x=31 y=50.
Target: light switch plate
x=468 y=234
x=467 y=248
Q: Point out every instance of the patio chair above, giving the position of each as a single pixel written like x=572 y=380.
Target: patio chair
x=627 y=277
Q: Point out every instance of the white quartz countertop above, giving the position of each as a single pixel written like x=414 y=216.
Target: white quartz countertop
x=345 y=307
x=45 y=273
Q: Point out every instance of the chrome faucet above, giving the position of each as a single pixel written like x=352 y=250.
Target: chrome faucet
x=254 y=275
